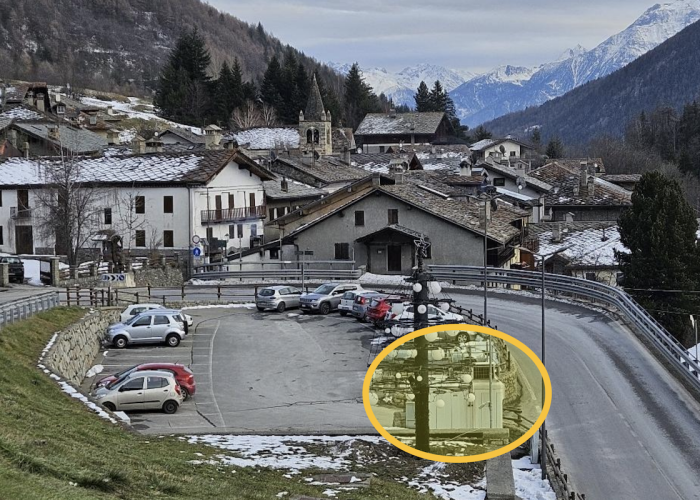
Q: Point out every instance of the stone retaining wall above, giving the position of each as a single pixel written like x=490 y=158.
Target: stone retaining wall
x=77 y=346
x=159 y=277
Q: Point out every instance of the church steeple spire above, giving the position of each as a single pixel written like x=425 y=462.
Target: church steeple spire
x=314 y=107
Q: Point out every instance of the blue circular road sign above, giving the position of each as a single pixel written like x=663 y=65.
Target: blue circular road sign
x=196 y=251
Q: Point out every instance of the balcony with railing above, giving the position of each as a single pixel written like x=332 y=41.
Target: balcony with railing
x=21 y=213
x=234 y=214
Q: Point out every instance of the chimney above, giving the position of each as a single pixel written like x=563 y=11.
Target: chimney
x=392 y=113
x=40 y=105
x=583 y=175
x=13 y=137
x=376 y=179
x=284 y=185
x=212 y=137
x=591 y=185
x=465 y=168
x=413 y=135
x=556 y=233
x=93 y=120
x=432 y=150
x=138 y=145
x=307 y=158
x=569 y=219
x=110 y=110
x=57 y=98
x=54 y=133
x=26 y=149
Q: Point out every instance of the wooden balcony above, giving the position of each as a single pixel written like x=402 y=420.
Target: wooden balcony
x=234 y=214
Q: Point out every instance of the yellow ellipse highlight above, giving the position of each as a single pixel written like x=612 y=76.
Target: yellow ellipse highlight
x=448 y=458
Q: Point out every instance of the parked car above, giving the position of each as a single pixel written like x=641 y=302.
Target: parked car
x=15 y=268
x=278 y=297
x=361 y=304
x=379 y=306
x=326 y=298
x=142 y=390
x=404 y=313
x=348 y=299
x=183 y=375
x=158 y=325
x=135 y=309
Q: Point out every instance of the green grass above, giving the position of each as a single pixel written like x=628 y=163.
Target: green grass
x=53 y=447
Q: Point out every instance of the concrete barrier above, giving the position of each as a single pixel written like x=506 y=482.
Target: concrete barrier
x=500 y=484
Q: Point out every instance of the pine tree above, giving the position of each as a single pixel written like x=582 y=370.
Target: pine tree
x=359 y=98
x=330 y=102
x=555 y=148
x=480 y=133
x=660 y=232
x=536 y=139
x=271 y=84
x=422 y=98
x=438 y=97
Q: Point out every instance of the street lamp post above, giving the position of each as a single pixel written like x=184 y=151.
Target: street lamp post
x=543 y=258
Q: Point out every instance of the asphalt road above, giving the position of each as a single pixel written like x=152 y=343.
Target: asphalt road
x=624 y=428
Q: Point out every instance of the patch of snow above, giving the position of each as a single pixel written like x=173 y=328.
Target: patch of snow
x=94 y=371
x=268 y=138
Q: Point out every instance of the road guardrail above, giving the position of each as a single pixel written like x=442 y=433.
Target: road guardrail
x=645 y=323
x=20 y=309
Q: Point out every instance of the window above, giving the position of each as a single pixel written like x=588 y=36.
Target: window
x=429 y=252
x=590 y=276
x=156 y=383
x=512 y=153
x=251 y=196
x=1 y=240
x=108 y=216
x=132 y=385
x=382 y=149
x=239 y=228
x=272 y=214
x=0 y=198
x=161 y=320
x=167 y=204
x=144 y=321
x=140 y=205
x=168 y=239
x=499 y=181
x=342 y=251
x=140 y=237
x=393 y=216
x=231 y=201
x=274 y=253
x=210 y=235
x=359 y=217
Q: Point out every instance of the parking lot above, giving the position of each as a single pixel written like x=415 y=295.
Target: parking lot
x=261 y=373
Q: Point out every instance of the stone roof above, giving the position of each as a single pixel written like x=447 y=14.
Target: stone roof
x=185 y=134
x=326 y=169
x=380 y=162
x=20 y=113
x=591 y=243
x=76 y=140
x=575 y=163
x=295 y=190
x=514 y=173
x=400 y=123
x=567 y=190
x=157 y=168
x=621 y=178
x=267 y=138
x=314 y=106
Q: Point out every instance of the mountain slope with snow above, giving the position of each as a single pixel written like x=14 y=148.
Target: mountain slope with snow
x=402 y=86
x=503 y=91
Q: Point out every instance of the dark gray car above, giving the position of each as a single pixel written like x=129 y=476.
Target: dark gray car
x=326 y=298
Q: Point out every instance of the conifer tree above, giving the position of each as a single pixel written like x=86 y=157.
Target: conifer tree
x=422 y=98
x=659 y=231
x=359 y=98
x=271 y=84
x=555 y=148
x=480 y=133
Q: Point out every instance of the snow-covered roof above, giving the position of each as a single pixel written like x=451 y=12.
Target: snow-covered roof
x=482 y=144
x=268 y=138
x=400 y=123
x=167 y=168
x=20 y=113
x=591 y=244
x=76 y=140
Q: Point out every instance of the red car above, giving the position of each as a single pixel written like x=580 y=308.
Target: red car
x=183 y=375
x=379 y=307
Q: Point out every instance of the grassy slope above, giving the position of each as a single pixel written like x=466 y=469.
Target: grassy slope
x=49 y=440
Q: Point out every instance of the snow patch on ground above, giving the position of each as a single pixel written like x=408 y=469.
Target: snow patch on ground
x=94 y=371
x=246 y=305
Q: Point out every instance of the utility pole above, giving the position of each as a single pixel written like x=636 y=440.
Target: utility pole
x=420 y=320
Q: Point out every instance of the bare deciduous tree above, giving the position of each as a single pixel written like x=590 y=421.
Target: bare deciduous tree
x=268 y=115
x=128 y=220
x=67 y=206
x=246 y=116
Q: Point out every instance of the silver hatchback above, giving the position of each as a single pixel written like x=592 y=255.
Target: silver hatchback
x=158 y=325
x=279 y=297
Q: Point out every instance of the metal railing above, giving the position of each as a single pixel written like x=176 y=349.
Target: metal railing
x=280 y=270
x=667 y=345
x=20 y=309
x=21 y=213
x=559 y=476
x=234 y=214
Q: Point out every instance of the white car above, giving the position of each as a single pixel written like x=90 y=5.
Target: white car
x=348 y=299
x=404 y=313
x=135 y=309
x=142 y=390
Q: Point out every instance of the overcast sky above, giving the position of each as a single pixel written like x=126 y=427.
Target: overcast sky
x=461 y=34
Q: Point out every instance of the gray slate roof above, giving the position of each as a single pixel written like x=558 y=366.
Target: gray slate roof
x=78 y=141
x=400 y=123
x=326 y=169
x=295 y=190
x=512 y=173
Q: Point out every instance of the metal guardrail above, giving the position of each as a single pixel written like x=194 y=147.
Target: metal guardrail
x=20 y=309
x=559 y=476
x=646 y=324
x=322 y=270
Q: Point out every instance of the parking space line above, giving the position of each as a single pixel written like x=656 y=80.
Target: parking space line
x=211 y=377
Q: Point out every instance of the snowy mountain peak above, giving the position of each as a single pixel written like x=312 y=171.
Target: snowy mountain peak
x=573 y=52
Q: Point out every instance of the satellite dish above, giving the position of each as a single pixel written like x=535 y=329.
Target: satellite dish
x=520 y=182
x=359 y=150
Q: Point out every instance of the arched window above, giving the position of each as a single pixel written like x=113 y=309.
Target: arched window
x=309 y=136
x=315 y=136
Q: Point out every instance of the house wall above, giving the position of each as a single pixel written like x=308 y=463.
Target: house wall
x=451 y=244
x=513 y=149
x=379 y=143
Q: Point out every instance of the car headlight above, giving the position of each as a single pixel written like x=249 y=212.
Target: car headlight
x=99 y=396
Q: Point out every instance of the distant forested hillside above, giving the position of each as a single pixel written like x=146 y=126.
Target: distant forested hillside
x=668 y=75
x=121 y=45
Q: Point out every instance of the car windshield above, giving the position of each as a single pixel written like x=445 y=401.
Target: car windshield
x=349 y=296
x=121 y=374
x=266 y=292
x=13 y=260
x=132 y=319
x=325 y=289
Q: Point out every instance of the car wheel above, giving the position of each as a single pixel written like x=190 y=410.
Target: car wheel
x=185 y=393
x=173 y=340
x=325 y=308
x=463 y=337
x=261 y=309
x=120 y=342
x=281 y=307
x=343 y=313
x=170 y=407
x=110 y=406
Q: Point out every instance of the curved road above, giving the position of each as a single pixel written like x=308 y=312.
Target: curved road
x=622 y=425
